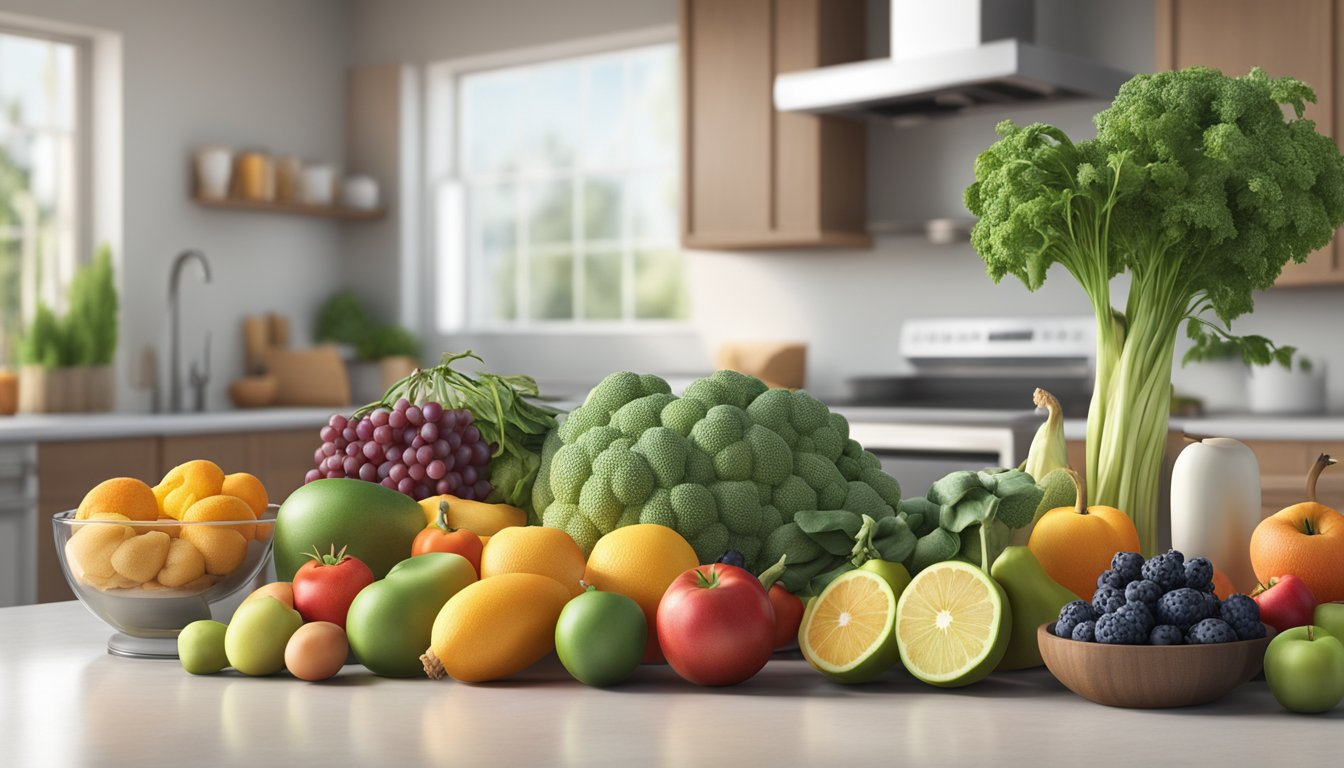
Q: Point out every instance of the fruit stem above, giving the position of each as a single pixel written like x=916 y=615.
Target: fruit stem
x=1080 y=486
x=1322 y=462
x=772 y=574
x=707 y=582
x=442 y=521
x=1310 y=634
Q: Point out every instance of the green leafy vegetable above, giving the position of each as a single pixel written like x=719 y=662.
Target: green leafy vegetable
x=1199 y=188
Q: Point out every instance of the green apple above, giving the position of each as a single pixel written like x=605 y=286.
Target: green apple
x=1304 y=667
x=389 y=621
x=1035 y=599
x=200 y=647
x=600 y=637
x=1330 y=617
x=255 y=639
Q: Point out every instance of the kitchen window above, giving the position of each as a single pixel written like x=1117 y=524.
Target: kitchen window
x=42 y=144
x=558 y=203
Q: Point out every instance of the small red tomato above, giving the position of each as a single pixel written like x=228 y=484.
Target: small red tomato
x=715 y=625
x=788 y=614
x=1285 y=602
x=325 y=586
x=440 y=538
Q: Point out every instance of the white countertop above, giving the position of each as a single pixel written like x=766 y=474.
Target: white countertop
x=43 y=427
x=65 y=701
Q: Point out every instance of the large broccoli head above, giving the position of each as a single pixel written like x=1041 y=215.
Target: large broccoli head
x=725 y=464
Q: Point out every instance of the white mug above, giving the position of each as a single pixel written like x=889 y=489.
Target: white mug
x=317 y=183
x=214 y=167
x=360 y=192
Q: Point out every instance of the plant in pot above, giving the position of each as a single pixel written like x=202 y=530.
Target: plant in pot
x=377 y=355
x=1201 y=189
x=66 y=362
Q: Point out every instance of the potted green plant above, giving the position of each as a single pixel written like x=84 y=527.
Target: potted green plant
x=376 y=355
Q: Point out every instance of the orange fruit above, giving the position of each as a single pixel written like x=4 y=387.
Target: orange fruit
x=497 y=627
x=183 y=566
x=222 y=548
x=1305 y=540
x=1075 y=547
x=227 y=508
x=535 y=549
x=121 y=495
x=640 y=561
x=280 y=590
x=187 y=483
x=1223 y=586
x=140 y=558
x=249 y=489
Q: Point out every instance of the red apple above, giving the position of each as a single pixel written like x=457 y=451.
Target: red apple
x=1285 y=602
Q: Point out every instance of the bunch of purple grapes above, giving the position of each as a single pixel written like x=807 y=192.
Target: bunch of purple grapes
x=419 y=450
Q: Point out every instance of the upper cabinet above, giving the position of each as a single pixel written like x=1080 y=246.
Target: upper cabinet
x=1301 y=38
x=755 y=177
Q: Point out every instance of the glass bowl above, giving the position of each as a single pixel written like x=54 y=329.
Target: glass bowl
x=106 y=562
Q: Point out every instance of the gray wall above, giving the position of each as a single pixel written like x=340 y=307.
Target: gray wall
x=248 y=73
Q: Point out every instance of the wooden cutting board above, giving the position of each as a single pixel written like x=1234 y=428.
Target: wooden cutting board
x=309 y=377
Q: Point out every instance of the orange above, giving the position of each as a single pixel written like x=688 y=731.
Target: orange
x=185 y=484
x=222 y=549
x=640 y=561
x=1075 y=544
x=280 y=590
x=121 y=495
x=1306 y=540
x=226 y=508
x=183 y=565
x=1223 y=586
x=535 y=549
x=249 y=489
x=498 y=626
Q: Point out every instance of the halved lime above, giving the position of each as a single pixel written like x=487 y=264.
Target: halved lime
x=848 y=633
x=952 y=624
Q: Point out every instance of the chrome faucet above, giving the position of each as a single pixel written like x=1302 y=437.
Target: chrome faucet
x=174 y=354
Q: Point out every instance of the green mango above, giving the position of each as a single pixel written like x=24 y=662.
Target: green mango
x=390 y=621
x=373 y=523
x=255 y=639
x=1035 y=599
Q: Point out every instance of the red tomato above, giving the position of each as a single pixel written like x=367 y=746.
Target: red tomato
x=440 y=538
x=325 y=586
x=715 y=625
x=788 y=609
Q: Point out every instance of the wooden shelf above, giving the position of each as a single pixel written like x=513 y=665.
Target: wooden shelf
x=301 y=209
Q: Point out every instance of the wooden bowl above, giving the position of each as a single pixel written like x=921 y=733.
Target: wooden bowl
x=254 y=391
x=1148 y=676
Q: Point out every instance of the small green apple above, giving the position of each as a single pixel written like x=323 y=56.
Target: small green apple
x=1304 y=667
x=1330 y=617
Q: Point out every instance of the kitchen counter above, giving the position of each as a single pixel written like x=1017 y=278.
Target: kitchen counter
x=65 y=701
x=45 y=427
x=1248 y=426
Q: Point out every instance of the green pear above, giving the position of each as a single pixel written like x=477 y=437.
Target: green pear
x=254 y=642
x=1035 y=599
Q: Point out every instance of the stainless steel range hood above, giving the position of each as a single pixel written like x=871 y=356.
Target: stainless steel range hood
x=946 y=57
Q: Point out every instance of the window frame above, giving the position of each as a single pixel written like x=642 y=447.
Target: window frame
x=81 y=221
x=445 y=264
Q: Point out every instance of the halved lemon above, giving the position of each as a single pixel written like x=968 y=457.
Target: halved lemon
x=848 y=633
x=952 y=624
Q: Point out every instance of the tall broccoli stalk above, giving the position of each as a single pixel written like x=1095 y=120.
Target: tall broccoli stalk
x=1199 y=188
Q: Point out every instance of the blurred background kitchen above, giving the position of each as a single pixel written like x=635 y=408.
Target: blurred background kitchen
x=568 y=188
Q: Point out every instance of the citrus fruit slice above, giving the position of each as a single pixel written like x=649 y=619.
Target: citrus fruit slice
x=952 y=624
x=848 y=632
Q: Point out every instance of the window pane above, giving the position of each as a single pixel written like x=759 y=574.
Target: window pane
x=37 y=82
x=653 y=106
x=653 y=207
x=493 y=216
x=602 y=208
x=552 y=286
x=552 y=132
x=551 y=217
x=604 y=112
x=660 y=285
x=492 y=111
x=602 y=286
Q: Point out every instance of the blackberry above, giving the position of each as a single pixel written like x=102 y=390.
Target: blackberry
x=1128 y=564
x=1167 y=570
x=1243 y=615
x=1139 y=613
x=1110 y=578
x=1212 y=605
x=1121 y=628
x=1107 y=600
x=1182 y=607
x=1166 y=634
x=1210 y=631
x=1199 y=574
x=1071 y=615
x=733 y=557
x=1143 y=591
x=1085 y=632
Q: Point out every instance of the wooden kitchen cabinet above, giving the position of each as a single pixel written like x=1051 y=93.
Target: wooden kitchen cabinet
x=1283 y=473
x=754 y=177
x=67 y=470
x=1301 y=38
